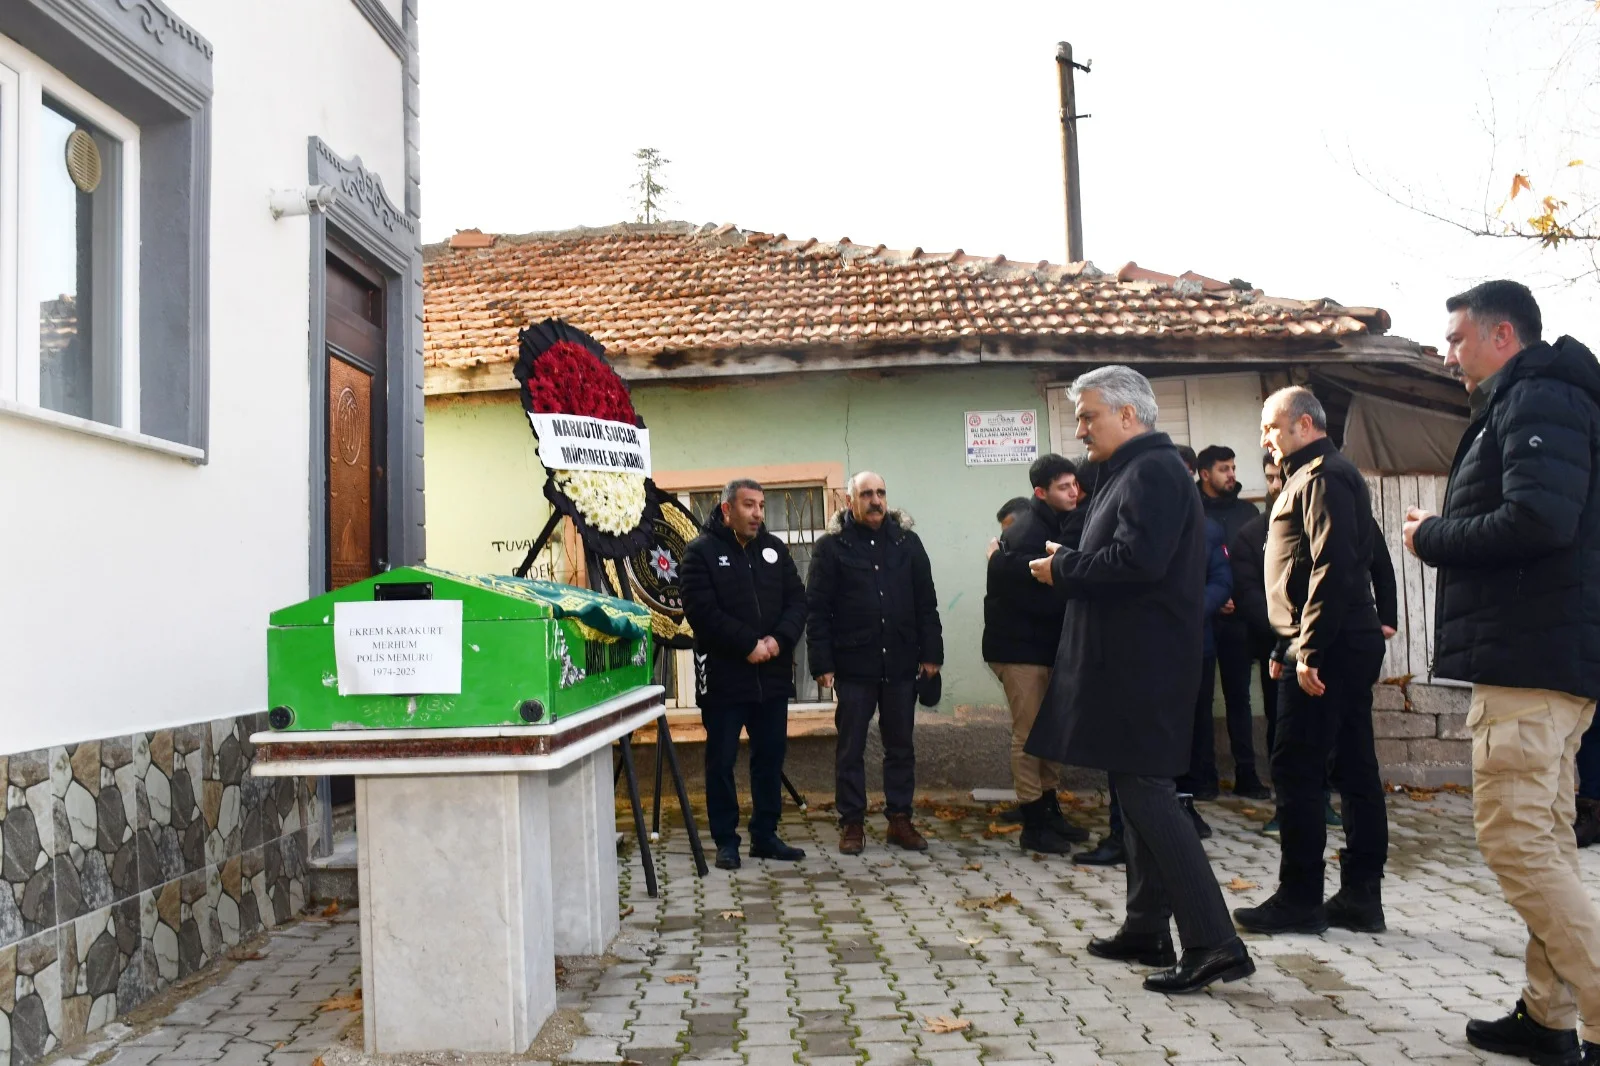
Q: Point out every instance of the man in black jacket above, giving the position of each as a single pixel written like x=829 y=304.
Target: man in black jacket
x=874 y=630
x=747 y=604
x=1219 y=494
x=1247 y=553
x=1021 y=627
x=1121 y=697
x=1518 y=615
x=1318 y=564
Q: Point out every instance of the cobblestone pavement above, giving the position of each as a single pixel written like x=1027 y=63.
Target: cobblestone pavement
x=848 y=959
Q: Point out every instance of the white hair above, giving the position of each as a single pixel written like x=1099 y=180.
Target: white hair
x=855 y=482
x=1119 y=387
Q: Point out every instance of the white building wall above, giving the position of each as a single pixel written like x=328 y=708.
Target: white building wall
x=137 y=584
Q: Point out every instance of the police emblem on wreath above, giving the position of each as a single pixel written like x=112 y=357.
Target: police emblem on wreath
x=653 y=570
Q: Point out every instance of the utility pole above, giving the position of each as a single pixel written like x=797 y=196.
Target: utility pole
x=1069 y=147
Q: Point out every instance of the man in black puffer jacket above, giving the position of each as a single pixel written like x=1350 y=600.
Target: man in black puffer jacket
x=1518 y=615
x=874 y=631
x=747 y=604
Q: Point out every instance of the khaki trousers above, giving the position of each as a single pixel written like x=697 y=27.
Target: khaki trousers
x=1025 y=684
x=1524 y=751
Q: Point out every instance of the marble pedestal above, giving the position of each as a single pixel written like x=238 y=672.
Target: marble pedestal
x=482 y=854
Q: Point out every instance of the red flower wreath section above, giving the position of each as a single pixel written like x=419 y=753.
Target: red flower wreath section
x=568 y=379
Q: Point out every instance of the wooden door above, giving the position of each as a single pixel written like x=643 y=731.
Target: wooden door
x=356 y=439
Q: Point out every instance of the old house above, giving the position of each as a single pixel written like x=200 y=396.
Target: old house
x=210 y=407
x=800 y=361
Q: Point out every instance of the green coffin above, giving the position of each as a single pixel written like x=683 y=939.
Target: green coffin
x=533 y=652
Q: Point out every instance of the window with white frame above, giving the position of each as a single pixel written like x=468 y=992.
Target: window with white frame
x=798 y=516
x=69 y=247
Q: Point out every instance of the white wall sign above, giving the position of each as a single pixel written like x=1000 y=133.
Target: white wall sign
x=995 y=437
x=398 y=647
x=577 y=442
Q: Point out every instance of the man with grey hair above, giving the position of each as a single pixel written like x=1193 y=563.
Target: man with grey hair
x=1127 y=669
x=1318 y=563
x=747 y=604
x=874 y=636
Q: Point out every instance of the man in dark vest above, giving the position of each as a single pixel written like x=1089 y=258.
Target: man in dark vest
x=1134 y=588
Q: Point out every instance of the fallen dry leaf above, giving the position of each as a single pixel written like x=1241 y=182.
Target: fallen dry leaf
x=317 y=1061
x=681 y=979
x=973 y=866
x=995 y=902
x=245 y=956
x=729 y=916
x=949 y=814
x=1248 y=810
x=1000 y=829
x=626 y=911
x=331 y=909
x=1239 y=884
x=350 y=1002
x=970 y=941
x=943 y=1023
x=885 y=864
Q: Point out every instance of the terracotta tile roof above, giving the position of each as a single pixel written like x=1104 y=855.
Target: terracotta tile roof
x=667 y=291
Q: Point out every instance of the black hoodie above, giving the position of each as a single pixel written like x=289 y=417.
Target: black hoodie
x=1518 y=544
x=733 y=596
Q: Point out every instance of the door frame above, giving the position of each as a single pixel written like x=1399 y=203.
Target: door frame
x=364 y=223
x=378 y=370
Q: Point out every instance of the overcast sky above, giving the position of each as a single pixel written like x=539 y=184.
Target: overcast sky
x=1226 y=138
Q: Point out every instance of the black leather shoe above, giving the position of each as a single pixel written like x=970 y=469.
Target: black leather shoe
x=776 y=849
x=1231 y=962
x=1251 y=788
x=1145 y=950
x=1200 y=826
x=1519 y=1035
x=1358 y=908
x=1278 y=916
x=1010 y=816
x=1109 y=852
x=728 y=857
x=1038 y=834
x=1057 y=820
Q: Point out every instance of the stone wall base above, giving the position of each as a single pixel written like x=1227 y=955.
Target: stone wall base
x=128 y=863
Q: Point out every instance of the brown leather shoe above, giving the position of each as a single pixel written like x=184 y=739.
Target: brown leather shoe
x=852 y=839
x=903 y=834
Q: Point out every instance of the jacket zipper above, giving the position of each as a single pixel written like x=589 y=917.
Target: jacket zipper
x=755 y=598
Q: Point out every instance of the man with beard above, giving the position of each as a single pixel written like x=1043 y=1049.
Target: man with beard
x=1219 y=494
x=1135 y=584
x=1246 y=551
x=1021 y=626
x=874 y=632
x=1318 y=557
x=744 y=598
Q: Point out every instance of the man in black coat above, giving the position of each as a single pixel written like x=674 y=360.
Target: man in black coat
x=874 y=631
x=1217 y=469
x=1121 y=697
x=1021 y=627
x=1318 y=565
x=1518 y=615
x=747 y=605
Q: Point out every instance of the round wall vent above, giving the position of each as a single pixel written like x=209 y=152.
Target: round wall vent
x=83 y=160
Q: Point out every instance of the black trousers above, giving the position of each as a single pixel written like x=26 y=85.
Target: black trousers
x=1269 y=702
x=1169 y=875
x=1311 y=730
x=1234 y=659
x=896 y=705
x=1201 y=780
x=767 y=723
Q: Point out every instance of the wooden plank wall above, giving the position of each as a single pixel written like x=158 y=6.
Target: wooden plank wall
x=1411 y=650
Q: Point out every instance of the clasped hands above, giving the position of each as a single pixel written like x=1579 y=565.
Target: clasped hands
x=1040 y=568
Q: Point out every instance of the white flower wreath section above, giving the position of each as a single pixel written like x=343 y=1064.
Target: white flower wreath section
x=600 y=465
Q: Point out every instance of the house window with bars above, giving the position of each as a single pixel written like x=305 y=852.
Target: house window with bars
x=796 y=515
